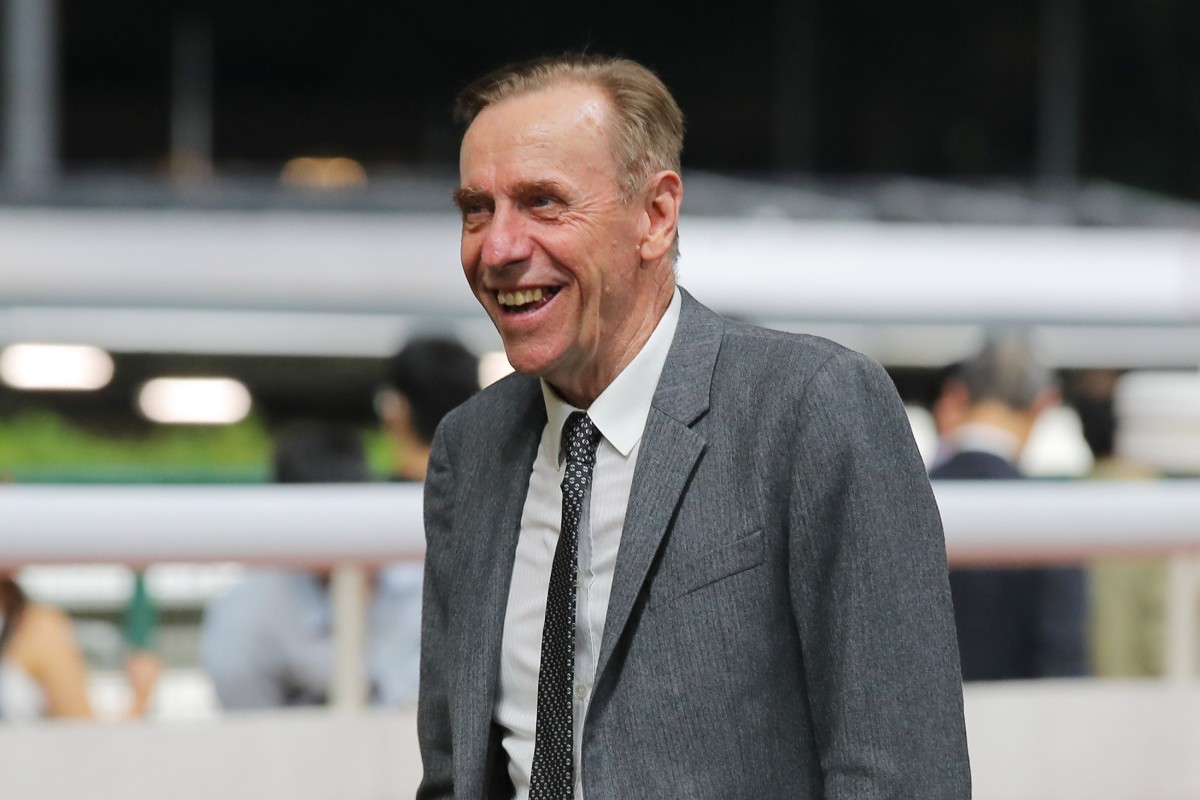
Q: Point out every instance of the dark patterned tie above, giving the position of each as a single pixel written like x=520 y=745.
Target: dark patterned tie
x=552 y=775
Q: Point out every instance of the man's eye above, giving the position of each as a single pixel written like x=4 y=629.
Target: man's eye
x=541 y=201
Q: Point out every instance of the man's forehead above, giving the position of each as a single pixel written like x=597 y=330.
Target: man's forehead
x=547 y=118
x=534 y=136
x=566 y=100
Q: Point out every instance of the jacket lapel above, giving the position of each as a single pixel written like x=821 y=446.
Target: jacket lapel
x=492 y=522
x=668 y=454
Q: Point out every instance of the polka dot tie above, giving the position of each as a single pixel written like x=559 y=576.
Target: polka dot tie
x=552 y=775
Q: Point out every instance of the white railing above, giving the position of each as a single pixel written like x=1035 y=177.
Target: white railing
x=139 y=525
x=1067 y=521
x=1029 y=740
x=350 y=527
x=1028 y=521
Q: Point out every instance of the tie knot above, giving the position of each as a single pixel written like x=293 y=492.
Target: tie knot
x=580 y=439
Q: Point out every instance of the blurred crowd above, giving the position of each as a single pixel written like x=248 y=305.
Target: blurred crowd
x=268 y=642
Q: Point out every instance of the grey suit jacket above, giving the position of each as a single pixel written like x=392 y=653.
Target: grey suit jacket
x=780 y=622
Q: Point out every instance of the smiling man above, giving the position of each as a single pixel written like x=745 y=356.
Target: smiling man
x=674 y=556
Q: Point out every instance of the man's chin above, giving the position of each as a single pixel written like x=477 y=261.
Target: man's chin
x=531 y=367
x=530 y=362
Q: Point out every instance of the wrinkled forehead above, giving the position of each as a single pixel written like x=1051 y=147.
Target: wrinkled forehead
x=567 y=120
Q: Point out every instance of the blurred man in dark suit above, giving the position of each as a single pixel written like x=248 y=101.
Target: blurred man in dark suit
x=1012 y=623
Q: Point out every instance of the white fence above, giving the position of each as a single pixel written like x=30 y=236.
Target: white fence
x=297 y=755
x=350 y=526
x=1029 y=740
x=1032 y=521
x=1058 y=740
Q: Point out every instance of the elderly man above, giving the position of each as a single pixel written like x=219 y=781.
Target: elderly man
x=674 y=556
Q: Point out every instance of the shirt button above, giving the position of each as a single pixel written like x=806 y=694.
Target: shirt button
x=581 y=691
x=581 y=578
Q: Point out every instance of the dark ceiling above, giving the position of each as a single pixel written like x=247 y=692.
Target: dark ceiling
x=940 y=88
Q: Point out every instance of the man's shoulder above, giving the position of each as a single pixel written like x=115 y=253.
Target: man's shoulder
x=748 y=335
x=784 y=356
x=506 y=399
x=777 y=364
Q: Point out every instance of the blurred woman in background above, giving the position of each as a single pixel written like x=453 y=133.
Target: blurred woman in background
x=42 y=669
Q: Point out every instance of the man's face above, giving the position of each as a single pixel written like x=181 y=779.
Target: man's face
x=548 y=247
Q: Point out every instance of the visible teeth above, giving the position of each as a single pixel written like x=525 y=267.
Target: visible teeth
x=519 y=298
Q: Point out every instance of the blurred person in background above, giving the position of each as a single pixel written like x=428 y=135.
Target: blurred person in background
x=1012 y=623
x=423 y=382
x=42 y=668
x=948 y=409
x=1128 y=595
x=268 y=642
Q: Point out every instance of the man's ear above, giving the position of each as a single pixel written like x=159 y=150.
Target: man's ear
x=663 y=198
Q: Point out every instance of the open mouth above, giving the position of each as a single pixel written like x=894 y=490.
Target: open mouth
x=525 y=300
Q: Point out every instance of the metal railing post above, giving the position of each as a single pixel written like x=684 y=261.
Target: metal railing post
x=1182 y=617
x=348 y=592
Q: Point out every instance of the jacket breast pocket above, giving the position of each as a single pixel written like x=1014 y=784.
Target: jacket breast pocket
x=708 y=568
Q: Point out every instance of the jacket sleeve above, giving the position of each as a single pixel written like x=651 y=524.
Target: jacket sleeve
x=870 y=594
x=433 y=706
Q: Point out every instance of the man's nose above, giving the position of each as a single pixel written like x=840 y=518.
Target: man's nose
x=506 y=239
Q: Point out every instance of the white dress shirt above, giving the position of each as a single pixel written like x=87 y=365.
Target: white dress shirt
x=619 y=413
x=980 y=437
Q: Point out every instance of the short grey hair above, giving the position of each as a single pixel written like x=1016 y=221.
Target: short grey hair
x=1005 y=370
x=647 y=129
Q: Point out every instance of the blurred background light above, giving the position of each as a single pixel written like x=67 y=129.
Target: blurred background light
x=1160 y=419
x=195 y=401
x=55 y=367
x=1056 y=447
x=492 y=367
x=323 y=173
x=924 y=431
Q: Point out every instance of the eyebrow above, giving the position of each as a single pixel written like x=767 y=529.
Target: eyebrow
x=468 y=195
x=528 y=188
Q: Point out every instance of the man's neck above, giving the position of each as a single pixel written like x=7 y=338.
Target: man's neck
x=582 y=390
x=1011 y=424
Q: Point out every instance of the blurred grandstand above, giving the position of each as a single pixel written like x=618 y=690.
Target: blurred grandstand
x=299 y=294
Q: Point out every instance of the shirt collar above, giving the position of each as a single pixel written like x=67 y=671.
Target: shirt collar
x=620 y=412
x=979 y=437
